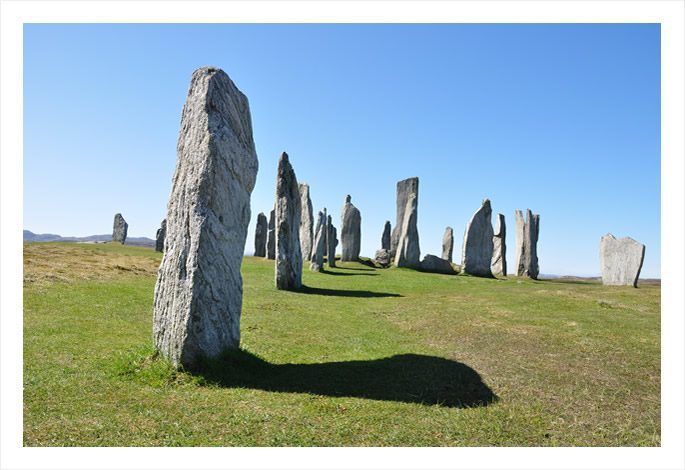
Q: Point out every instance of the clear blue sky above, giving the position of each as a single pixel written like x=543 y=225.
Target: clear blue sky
x=562 y=119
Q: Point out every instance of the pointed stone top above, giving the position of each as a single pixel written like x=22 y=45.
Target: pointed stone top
x=448 y=228
x=348 y=198
x=284 y=156
x=486 y=201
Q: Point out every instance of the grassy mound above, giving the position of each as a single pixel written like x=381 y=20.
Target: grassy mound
x=360 y=357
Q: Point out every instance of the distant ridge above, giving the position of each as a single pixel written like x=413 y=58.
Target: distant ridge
x=29 y=236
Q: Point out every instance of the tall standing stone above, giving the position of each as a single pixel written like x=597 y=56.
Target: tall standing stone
x=527 y=232
x=476 y=254
x=120 y=229
x=499 y=248
x=351 y=231
x=620 y=260
x=405 y=189
x=288 y=213
x=160 y=236
x=260 y=233
x=306 y=222
x=271 y=236
x=319 y=248
x=332 y=241
x=199 y=292
x=448 y=244
x=408 y=251
x=385 y=238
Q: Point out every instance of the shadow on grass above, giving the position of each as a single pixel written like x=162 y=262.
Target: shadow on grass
x=333 y=273
x=356 y=269
x=408 y=378
x=344 y=293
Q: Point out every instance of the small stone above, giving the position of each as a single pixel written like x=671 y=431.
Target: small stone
x=527 y=232
x=447 y=244
x=620 y=260
x=120 y=229
x=332 y=241
x=385 y=238
x=382 y=258
x=199 y=291
x=408 y=250
x=498 y=266
x=405 y=189
x=477 y=248
x=288 y=213
x=160 y=236
x=351 y=234
x=433 y=264
x=260 y=233
x=306 y=222
x=271 y=236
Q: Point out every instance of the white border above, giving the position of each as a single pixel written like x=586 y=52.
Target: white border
x=669 y=13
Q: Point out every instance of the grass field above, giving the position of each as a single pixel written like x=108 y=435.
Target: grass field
x=361 y=357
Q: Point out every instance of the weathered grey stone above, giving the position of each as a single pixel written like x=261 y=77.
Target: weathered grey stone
x=120 y=229
x=319 y=248
x=476 y=253
x=271 y=236
x=288 y=213
x=620 y=260
x=447 y=244
x=433 y=264
x=408 y=250
x=198 y=295
x=385 y=238
x=527 y=232
x=160 y=236
x=382 y=258
x=260 y=233
x=351 y=231
x=499 y=248
x=306 y=222
x=405 y=189
x=331 y=241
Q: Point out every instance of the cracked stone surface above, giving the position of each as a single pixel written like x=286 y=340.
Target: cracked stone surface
x=408 y=250
x=306 y=223
x=405 y=188
x=499 y=248
x=288 y=213
x=620 y=260
x=476 y=254
x=527 y=231
x=120 y=229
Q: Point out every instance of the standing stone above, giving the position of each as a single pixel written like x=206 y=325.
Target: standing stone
x=382 y=258
x=161 y=235
x=405 y=189
x=288 y=213
x=408 y=251
x=331 y=241
x=527 y=244
x=120 y=229
x=499 y=248
x=306 y=222
x=199 y=291
x=260 y=234
x=448 y=244
x=477 y=248
x=351 y=232
x=271 y=237
x=433 y=264
x=620 y=260
x=319 y=248
x=385 y=238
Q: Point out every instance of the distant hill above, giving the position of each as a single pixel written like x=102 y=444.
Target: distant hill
x=29 y=236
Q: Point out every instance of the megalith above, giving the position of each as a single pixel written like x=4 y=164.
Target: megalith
x=499 y=248
x=408 y=251
x=319 y=247
x=288 y=213
x=382 y=258
x=306 y=222
x=331 y=241
x=351 y=232
x=527 y=231
x=120 y=229
x=476 y=255
x=260 y=233
x=433 y=264
x=199 y=292
x=448 y=244
x=405 y=189
x=620 y=260
x=160 y=236
x=271 y=236
x=385 y=238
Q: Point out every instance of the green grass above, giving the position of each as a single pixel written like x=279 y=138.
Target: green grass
x=363 y=357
